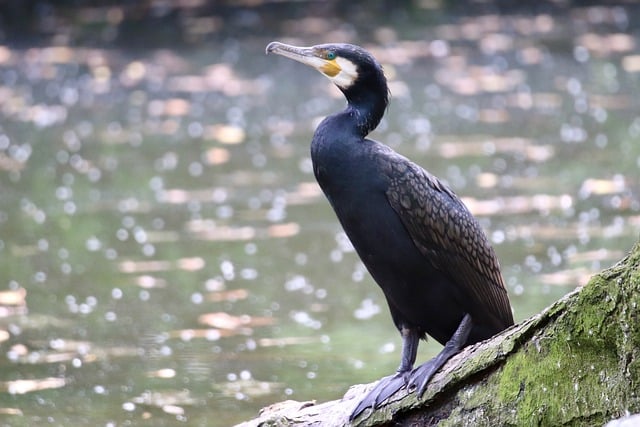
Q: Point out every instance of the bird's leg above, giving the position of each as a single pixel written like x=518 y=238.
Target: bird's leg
x=388 y=386
x=422 y=374
x=410 y=341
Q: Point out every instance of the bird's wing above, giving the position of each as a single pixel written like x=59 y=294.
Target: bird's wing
x=447 y=235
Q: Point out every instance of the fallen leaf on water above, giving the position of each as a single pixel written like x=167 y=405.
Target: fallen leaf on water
x=154 y=266
x=231 y=295
x=40 y=357
x=210 y=334
x=487 y=180
x=226 y=134
x=179 y=196
x=602 y=186
x=130 y=266
x=148 y=282
x=162 y=373
x=191 y=264
x=224 y=320
x=631 y=63
x=221 y=233
x=173 y=409
x=284 y=341
x=5 y=54
x=27 y=386
x=12 y=303
x=133 y=73
x=62 y=350
x=217 y=156
x=283 y=230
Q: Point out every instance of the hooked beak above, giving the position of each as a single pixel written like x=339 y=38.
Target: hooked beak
x=310 y=56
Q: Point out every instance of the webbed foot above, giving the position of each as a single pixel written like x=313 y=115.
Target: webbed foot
x=420 y=377
x=384 y=389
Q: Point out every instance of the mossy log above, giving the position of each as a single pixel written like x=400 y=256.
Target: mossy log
x=576 y=363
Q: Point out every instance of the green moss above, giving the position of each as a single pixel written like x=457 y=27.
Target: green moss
x=560 y=375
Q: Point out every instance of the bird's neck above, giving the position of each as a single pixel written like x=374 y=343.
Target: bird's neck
x=366 y=108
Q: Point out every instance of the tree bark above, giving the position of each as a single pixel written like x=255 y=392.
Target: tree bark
x=576 y=363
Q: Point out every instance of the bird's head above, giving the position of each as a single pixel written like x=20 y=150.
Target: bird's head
x=344 y=64
x=354 y=70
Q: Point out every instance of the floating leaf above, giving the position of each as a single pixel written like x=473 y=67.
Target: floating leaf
x=180 y=196
x=487 y=180
x=602 y=186
x=284 y=341
x=149 y=282
x=17 y=297
x=133 y=73
x=283 y=230
x=224 y=320
x=188 y=264
x=209 y=334
x=5 y=54
x=173 y=409
x=631 y=63
x=130 y=266
x=191 y=264
x=162 y=373
x=232 y=295
x=226 y=134
x=27 y=386
x=208 y=231
x=217 y=156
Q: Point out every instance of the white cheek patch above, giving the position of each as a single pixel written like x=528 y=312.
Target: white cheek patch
x=347 y=75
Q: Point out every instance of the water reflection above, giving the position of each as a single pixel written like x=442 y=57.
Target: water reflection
x=167 y=254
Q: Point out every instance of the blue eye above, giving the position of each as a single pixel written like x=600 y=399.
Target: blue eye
x=331 y=55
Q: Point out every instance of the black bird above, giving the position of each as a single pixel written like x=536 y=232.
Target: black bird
x=438 y=272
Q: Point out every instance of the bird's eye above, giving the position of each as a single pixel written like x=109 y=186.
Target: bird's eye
x=331 y=55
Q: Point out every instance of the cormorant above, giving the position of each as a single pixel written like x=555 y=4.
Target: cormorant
x=437 y=270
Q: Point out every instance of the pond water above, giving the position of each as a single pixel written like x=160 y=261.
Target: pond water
x=166 y=257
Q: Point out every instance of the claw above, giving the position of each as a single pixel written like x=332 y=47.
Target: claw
x=419 y=378
x=384 y=389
